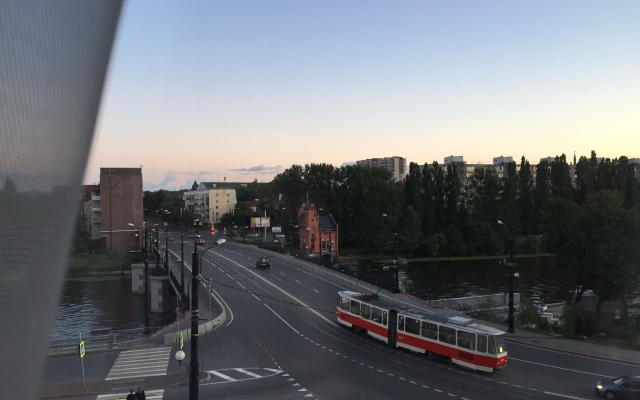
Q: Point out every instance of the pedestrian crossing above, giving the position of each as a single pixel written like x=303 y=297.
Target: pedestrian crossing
x=150 y=394
x=240 y=374
x=140 y=363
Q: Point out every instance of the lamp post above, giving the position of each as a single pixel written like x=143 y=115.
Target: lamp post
x=395 y=262
x=166 y=243
x=195 y=311
x=147 y=311
x=511 y=275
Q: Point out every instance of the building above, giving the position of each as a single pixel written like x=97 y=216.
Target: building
x=396 y=165
x=317 y=234
x=116 y=203
x=210 y=201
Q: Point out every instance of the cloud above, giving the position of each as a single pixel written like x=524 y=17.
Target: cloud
x=260 y=169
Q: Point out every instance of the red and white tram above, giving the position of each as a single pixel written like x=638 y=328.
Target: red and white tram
x=465 y=342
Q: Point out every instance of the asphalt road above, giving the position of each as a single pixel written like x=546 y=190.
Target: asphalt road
x=281 y=341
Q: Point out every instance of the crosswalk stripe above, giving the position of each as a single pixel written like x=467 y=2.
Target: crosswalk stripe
x=140 y=363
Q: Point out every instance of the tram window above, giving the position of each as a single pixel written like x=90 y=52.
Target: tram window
x=355 y=307
x=467 y=340
x=492 y=345
x=344 y=303
x=482 y=343
x=384 y=318
x=447 y=335
x=376 y=315
x=400 y=323
x=501 y=345
x=412 y=326
x=365 y=311
x=430 y=330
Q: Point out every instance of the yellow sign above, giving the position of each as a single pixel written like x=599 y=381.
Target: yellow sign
x=81 y=349
x=181 y=340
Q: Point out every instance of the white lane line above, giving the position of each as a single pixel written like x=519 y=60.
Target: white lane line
x=282 y=319
x=257 y=298
x=230 y=276
x=297 y=280
x=240 y=284
x=282 y=273
x=565 y=369
x=315 y=291
x=565 y=396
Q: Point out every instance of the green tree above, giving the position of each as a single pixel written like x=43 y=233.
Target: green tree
x=410 y=234
x=525 y=197
x=452 y=192
x=428 y=204
x=439 y=197
x=561 y=185
x=598 y=242
x=542 y=190
x=413 y=189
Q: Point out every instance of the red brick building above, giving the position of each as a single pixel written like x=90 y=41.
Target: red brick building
x=317 y=234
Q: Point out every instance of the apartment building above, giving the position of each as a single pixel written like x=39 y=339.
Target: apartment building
x=396 y=165
x=210 y=201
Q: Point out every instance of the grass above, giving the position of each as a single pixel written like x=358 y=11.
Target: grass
x=82 y=265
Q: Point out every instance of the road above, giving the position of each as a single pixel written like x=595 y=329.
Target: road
x=281 y=341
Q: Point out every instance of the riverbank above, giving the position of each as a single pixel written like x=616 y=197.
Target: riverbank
x=359 y=259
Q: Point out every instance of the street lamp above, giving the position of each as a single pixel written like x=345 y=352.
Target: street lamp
x=166 y=242
x=195 y=311
x=511 y=275
x=147 y=311
x=395 y=262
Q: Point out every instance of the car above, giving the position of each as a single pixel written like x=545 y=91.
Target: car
x=200 y=242
x=623 y=387
x=263 y=262
x=192 y=235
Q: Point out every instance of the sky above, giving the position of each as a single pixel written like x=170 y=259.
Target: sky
x=242 y=90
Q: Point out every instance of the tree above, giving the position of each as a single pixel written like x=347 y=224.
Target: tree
x=413 y=189
x=561 y=185
x=542 y=189
x=598 y=242
x=525 y=198
x=452 y=192
x=428 y=204
x=439 y=204
x=409 y=231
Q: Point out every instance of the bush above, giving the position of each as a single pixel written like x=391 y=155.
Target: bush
x=528 y=314
x=531 y=245
x=83 y=264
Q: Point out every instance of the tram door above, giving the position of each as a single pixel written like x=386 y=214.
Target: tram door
x=393 y=327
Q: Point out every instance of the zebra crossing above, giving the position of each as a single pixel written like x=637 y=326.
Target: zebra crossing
x=140 y=363
x=150 y=394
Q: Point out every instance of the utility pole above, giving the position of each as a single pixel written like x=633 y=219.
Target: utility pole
x=511 y=282
x=396 y=264
x=195 y=283
x=147 y=311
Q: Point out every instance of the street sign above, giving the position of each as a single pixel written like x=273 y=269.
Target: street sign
x=181 y=340
x=81 y=349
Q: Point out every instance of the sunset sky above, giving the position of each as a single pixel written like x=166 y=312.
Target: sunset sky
x=207 y=90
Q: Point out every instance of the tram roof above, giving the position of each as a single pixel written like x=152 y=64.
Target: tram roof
x=467 y=324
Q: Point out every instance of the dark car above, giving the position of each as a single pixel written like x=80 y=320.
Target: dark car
x=624 y=388
x=263 y=262
x=200 y=242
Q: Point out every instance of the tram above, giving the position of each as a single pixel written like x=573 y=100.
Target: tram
x=465 y=342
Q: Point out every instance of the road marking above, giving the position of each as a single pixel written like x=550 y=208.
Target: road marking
x=223 y=376
x=257 y=298
x=140 y=363
x=565 y=396
x=240 y=284
x=150 y=394
x=297 y=280
x=553 y=366
x=315 y=291
x=282 y=319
